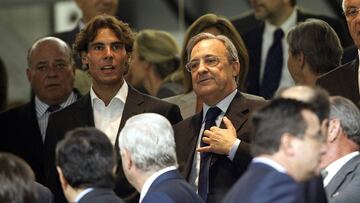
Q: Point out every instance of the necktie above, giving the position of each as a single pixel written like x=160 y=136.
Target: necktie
x=53 y=108
x=205 y=158
x=273 y=67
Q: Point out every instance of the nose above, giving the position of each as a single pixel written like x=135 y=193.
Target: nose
x=52 y=71
x=202 y=67
x=108 y=53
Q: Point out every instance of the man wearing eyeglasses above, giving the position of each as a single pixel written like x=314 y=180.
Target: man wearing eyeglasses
x=344 y=80
x=212 y=159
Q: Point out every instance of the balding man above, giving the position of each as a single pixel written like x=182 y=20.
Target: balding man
x=51 y=75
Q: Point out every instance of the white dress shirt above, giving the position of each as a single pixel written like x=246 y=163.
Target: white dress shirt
x=43 y=115
x=107 y=118
x=223 y=105
x=335 y=166
x=151 y=179
x=268 y=38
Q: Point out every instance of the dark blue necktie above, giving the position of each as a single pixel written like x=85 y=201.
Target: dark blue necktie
x=273 y=67
x=205 y=158
x=53 y=108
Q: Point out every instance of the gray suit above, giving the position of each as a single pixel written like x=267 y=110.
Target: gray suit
x=345 y=185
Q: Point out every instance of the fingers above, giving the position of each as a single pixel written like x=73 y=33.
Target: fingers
x=204 y=149
x=228 y=123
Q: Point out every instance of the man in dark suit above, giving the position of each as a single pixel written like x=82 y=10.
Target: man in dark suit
x=341 y=163
x=105 y=46
x=85 y=161
x=151 y=165
x=344 y=80
x=280 y=16
x=51 y=75
x=214 y=65
x=283 y=129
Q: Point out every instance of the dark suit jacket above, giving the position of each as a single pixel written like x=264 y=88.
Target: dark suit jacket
x=20 y=135
x=98 y=195
x=253 y=41
x=171 y=187
x=223 y=172
x=44 y=194
x=344 y=186
x=263 y=184
x=80 y=114
x=343 y=81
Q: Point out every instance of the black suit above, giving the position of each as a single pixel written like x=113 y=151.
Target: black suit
x=20 y=135
x=223 y=172
x=253 y=40
x=80 y=114
x=343 y=81
x=98 y=195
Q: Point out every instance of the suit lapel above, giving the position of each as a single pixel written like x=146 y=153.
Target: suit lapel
x=340 y=176
x=191 y=138
x=236 y=112
x=85 y=116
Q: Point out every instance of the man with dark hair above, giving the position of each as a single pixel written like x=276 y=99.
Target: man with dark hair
x=341 y=163
x=283 y=129
x=268 y=47
x=51 y=75
x=105 y=45
x=85 y=161
x=309 y=59
x=210 y=161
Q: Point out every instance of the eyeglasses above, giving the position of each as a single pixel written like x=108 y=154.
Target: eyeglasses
x=209 y=60
x=351 y=12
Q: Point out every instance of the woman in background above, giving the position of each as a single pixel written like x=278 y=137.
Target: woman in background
x=155 y=56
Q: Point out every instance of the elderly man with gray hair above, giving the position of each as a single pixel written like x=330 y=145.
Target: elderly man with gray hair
x=147 y=148
x=341 y=163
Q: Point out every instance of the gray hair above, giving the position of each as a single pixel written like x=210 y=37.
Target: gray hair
x=149 y=138
x=349 y=116
x=230 y=47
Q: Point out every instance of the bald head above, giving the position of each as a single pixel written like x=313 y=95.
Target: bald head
x=39 y=44
x=316 y=97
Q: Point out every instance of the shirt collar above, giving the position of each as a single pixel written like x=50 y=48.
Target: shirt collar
x=83 y=193
x=270 y=162
x=120 y=95
x=223 y=104
x=336 y=165
x=151 y=179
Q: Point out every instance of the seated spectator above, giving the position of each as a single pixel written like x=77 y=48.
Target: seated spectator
x=147 y=149
x=155 y=56
x=85 y=162
x=308 y=59
x=283 y=129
